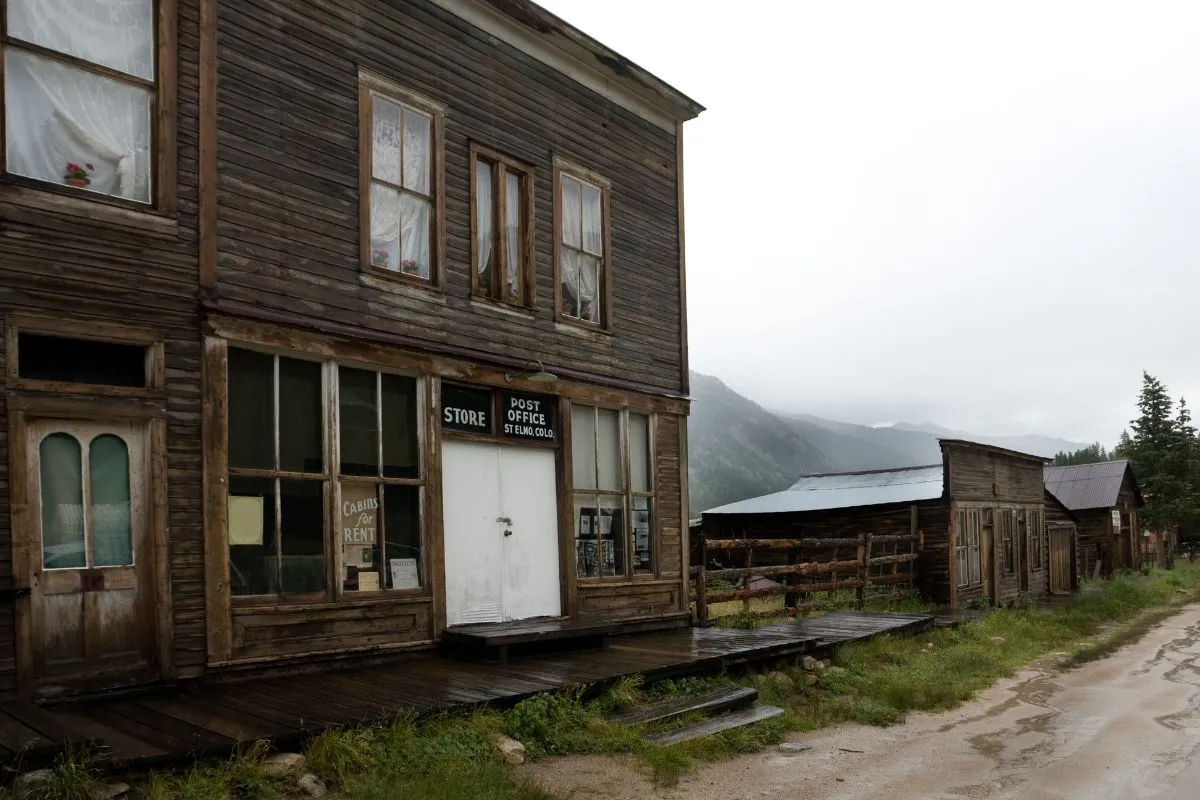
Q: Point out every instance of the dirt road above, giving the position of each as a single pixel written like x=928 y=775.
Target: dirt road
x=1126 y=727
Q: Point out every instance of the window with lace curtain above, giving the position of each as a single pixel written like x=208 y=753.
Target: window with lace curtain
x=501 y=227
x=401 y=135
x=80 y=88
x=582 y=252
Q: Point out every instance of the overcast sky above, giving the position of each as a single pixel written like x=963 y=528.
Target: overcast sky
x=985 y=215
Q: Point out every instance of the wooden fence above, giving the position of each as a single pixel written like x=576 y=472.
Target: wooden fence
x=802 y=569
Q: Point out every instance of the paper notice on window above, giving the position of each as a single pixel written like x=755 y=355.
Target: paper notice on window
x=368 y=581
x=245 y=520
x=404 y=573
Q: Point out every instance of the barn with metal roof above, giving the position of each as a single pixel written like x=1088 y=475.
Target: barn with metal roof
x=1105 y=499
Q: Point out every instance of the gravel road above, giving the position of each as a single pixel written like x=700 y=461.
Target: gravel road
x=1123 y=728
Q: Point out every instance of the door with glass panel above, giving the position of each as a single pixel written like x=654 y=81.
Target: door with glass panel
x=91 y=609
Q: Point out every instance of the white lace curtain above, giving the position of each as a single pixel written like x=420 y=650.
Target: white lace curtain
x=583 y=252
x=400 y=222
x=58 y=114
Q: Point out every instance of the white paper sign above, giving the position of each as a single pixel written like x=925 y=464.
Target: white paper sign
x=1116 y=520
x=404 y=573
x=245 y=520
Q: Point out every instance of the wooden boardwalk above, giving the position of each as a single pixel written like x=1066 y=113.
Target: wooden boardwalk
x=170 y=725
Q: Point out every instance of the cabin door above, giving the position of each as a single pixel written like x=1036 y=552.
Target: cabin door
x=1060 y=559
x=501 y=533
x=91 y=610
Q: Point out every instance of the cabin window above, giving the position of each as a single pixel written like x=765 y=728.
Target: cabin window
x=1036 y=532
x=80 y=82
x=967 y=550
x=57 y=358
x=277 y=475
x=400 y=200
x=379 y=492
x=502 y=225
x=583 y=255
x=1008 y=523
x=614 y=495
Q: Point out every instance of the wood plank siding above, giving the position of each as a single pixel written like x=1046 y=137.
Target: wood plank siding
x=288 y=198
x=75 y=263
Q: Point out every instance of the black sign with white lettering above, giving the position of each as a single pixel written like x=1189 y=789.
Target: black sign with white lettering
x=466 y=409
x=527 y=416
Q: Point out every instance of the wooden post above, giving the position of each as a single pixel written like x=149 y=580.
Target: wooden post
x=746 y=580
x=701 y=584
x=792 y=598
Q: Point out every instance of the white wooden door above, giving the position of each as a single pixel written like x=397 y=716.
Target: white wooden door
x=473 y=535
x=501 y=533
x=529 y=498
x=92 y=565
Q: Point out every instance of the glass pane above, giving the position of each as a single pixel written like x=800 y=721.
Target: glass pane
x=417 y=163
x=613 y=535
x=608 y=449
x=253 y=568
x=572 y=208
x=119 y=35
x=300 y=416
x=57 y=358
x=514 y=234
x=108 y=477
x=639 y=452
x=251 y=410
x=570 y=289
x=485 y=211
x=402 y=532
x=68 y=126
x=643 y=543
x=61 y=471
x=359 y=422
x=583 y=446
x=587 y=547
x=385 y=140
x=589 y=288
x=302 y=536
x=385 y=227
x=593 y=237
x=359 y=525
x=400 y=441
x=414 y=235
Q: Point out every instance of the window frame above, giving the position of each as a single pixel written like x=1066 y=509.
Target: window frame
x=626 y=493
x=1037 y=529
x=163 y=90
x=968 y=547
x=332 y=478
x=369 y=86
x=501 y=166
x=563 y=167
x=1008 y=543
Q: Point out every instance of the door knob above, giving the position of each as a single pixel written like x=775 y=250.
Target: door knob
x=507 y=532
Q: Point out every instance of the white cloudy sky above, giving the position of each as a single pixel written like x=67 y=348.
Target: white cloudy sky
x=983 y=214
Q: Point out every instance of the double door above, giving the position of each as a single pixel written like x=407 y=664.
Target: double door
x=500 y=513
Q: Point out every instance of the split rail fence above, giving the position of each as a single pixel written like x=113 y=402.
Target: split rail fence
x=809 y=573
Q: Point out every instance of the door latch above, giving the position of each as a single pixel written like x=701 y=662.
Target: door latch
x=505 y=520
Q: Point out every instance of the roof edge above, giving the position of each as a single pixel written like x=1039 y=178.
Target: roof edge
x=994 y=449
x=865 y=472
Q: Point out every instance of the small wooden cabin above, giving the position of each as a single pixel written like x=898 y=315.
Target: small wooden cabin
x=1104 y=498
x=980 y=513
x=355 y=322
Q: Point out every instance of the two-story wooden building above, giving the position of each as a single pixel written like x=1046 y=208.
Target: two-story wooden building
x=368 y=322
x=980 y=515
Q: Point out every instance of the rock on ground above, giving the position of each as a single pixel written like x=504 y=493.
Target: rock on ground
x=512 y=750
x=29 y=784
x=312 y=785
x=282 y=763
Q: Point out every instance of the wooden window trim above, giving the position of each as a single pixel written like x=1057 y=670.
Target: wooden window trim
x=91 y=330
x=370 y=84
x=565 y=167
x=501 y=166
x=163 y=123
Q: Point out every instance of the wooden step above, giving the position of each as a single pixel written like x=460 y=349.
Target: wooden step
x=724 y=722
x=714 y=702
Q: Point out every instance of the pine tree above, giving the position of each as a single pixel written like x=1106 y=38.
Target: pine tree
x=1165 y=455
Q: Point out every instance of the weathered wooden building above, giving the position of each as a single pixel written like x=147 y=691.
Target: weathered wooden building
x=1105 y=499
x=330 y=326
x=980 y=514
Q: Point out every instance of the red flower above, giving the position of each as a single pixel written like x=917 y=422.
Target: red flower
x=72 y=165
x=89 y=166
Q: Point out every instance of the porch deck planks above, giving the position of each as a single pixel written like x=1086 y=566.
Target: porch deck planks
x=160 y=726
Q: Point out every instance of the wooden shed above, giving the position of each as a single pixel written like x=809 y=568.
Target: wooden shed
x=1104 y=498
x=980 y=515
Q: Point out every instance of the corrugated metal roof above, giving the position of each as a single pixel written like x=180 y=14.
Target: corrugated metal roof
x=1087 y=486
x=845 y=490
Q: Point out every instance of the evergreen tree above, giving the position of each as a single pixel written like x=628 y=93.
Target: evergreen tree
x=1165 y=455
x=1091 y=454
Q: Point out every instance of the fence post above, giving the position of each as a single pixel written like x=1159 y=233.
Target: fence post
x=701 y=584
x=861 y=593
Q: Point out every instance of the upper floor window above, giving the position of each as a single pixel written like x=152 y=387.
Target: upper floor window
x=401 y=194
x=80 y=87
x=502 y=228
x=582 y=260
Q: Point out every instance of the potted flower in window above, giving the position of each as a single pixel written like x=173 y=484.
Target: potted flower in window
x=78 y=176
x=380 y=257
x=410 y=267
x=585 y=311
